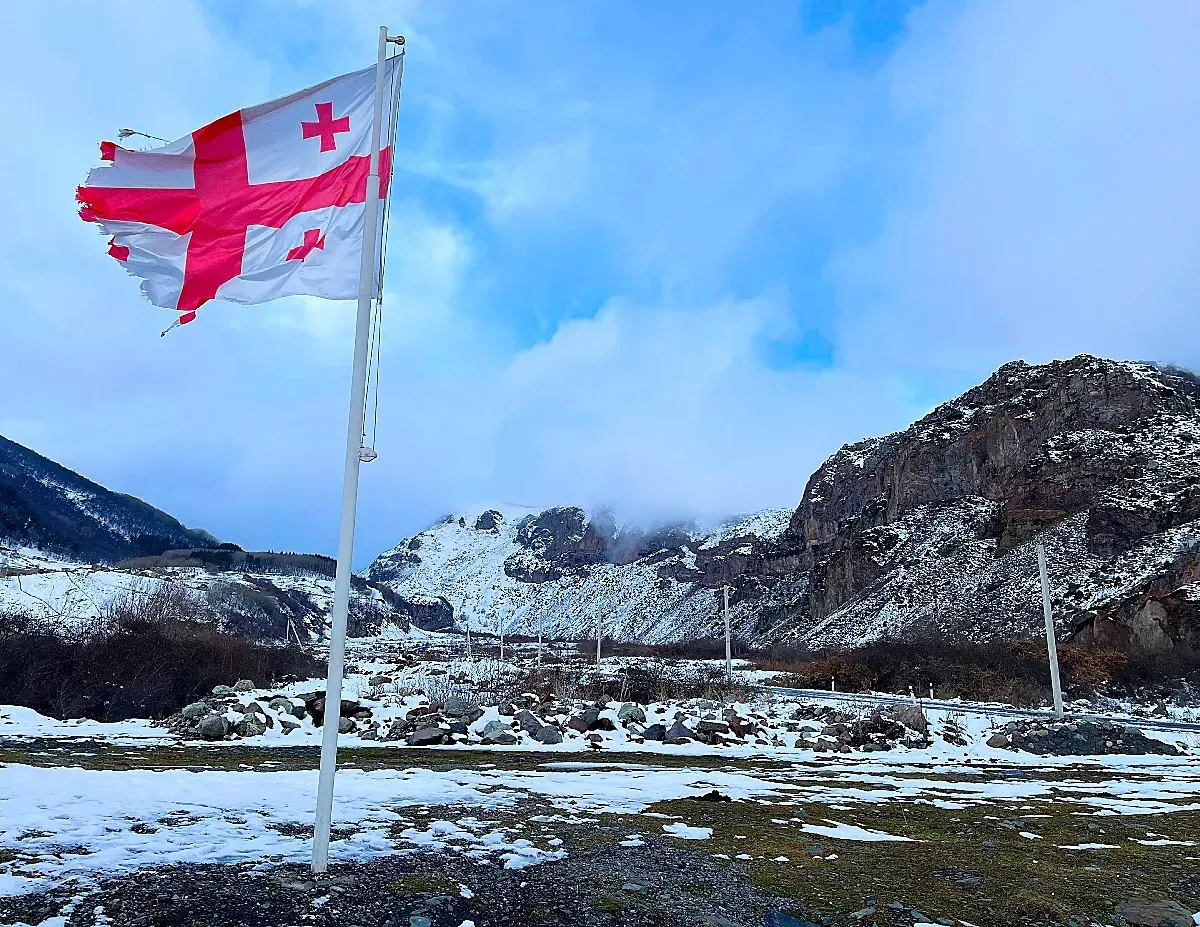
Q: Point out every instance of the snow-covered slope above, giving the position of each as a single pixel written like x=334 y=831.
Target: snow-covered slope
x=68 y=595
x=48 y=507
x=560 y=571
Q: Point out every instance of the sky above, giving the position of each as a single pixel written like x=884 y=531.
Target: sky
x=664 y=257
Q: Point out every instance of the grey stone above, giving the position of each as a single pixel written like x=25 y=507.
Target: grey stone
x=244 y=685
x=345 y=725
x=194 y=710
x=1143 y=912
x=495 y=726
x=251 y=725
x=425 y=737
x=528 y=723
x=548 y=734
x=281 y=706
x=679 y=733
x=635 y=887
x=459 y=727
x=912 y=717
x=712 y=727
x=631 y=712
x=655 y=732
x=287 y=725
x=222 y=690
x=456 y=707
x=998 y=740
x=213 y=727
x=416 y=920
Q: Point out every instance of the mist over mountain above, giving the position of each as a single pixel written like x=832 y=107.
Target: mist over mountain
x=932 y=529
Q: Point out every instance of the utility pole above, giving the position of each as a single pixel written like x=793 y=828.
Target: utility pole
x=599 y=636
x=470 y=659
x=1051 y=646
x=728 y=648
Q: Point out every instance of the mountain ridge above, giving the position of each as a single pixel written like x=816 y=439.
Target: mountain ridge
x=46 y=506
x=930 y=529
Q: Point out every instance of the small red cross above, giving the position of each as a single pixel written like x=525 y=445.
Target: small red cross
x=326 y=126
x=312 y=239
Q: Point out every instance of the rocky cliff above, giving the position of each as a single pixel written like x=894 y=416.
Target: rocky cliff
x=931 y=529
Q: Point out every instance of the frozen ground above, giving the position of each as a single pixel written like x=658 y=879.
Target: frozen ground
x=827 y=835
x=123 y=824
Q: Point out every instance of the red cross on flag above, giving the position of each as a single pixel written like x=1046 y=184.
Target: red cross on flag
x=265 y=202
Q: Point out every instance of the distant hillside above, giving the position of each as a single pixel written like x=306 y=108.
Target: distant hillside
x=46 y=506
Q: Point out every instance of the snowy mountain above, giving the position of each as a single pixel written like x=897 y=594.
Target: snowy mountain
x=46 y=506
x=929 y=530
x=559 y=570
x=71 y=551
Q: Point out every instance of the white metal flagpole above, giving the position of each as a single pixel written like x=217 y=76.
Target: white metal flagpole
x=341 y=587
x=1051 y=646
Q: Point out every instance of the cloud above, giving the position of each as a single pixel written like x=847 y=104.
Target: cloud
x=670 y=410
x=660 y=261
x=1044 y=193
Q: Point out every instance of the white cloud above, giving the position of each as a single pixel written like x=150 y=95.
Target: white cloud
x=1048 y=203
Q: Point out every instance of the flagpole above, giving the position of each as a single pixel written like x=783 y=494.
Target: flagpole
x=341 y=586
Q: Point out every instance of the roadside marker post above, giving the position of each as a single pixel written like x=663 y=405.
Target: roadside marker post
x=1051 y=645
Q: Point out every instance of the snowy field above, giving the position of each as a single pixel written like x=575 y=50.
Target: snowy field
x=943 y=830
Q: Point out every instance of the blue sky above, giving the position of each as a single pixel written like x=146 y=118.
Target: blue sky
x=665 y=257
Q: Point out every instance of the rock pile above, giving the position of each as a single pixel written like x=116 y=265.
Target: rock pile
x=904 y=726
x=230 y=712
x=1077 y=738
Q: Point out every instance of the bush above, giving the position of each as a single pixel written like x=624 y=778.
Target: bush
x=147 y=658
x=1016 y=672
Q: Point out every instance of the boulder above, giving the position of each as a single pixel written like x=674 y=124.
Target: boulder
x=679 y=733
x=456 y=707
x=631 y=712
x=379 y=681
x=194 y=710
x=287 y=725
x=345 y=725
x=655 y=732
x=1142 y=912
x=281 y=706
x=425 y=737
x=251 y=725
x=912 y=717
x=222 y=690
x=712 y=727
x=244 y=685
x=213 y=727
x=459 y=727
x=999 y=740
x=548 y=734
x=528 y=723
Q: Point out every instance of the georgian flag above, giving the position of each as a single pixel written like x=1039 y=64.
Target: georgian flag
x=265 y=202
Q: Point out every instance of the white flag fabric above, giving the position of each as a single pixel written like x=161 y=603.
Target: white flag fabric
x=266 y=202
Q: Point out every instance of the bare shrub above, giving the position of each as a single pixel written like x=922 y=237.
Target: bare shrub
x=146 y=657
